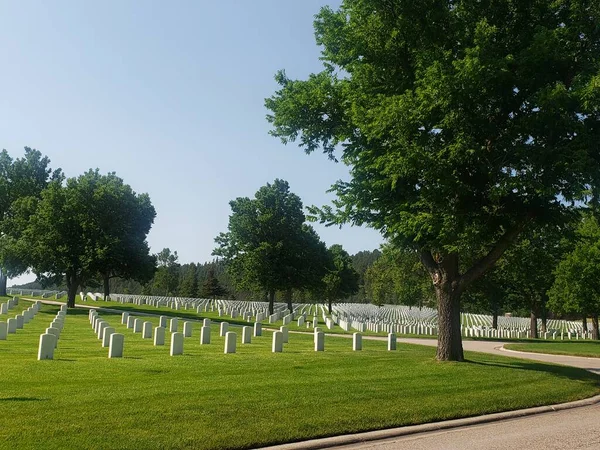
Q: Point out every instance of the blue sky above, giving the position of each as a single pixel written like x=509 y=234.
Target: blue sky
x=170 y=95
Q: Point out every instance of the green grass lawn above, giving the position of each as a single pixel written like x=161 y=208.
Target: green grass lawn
x=573 y=348
x=206 y=399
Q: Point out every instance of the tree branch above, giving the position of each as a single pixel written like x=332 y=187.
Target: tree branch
x=487 y=262
x=428 y=261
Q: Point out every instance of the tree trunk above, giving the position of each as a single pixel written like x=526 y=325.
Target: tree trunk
x=106 y=287
x=449 y=346
x=544 y=314
x=495 y=319
x=533 y=332
x=72 y=285
x=329 y=303
x=3 y=280
x=271 y=301
x=288 y=299
x=584 y=323
x=595 y=334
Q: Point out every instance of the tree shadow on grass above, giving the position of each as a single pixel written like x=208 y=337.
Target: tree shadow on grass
x=23 y=399
x=572 y=373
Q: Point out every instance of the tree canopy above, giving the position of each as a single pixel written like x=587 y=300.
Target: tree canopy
x=94 y=225
x=268 y=246
x=576 y=288
x=20 y=179
x=463 y=123
x=340 y=280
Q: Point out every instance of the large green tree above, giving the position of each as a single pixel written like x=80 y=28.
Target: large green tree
x=20 y=179
x=74 y=232
x=268 y=245
x=464 y=122
x=576 y=288
x=123 y=220
x=166 y=279
x=340 y=280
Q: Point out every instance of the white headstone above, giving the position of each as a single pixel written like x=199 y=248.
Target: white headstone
x=47 y=345
x=108 y=331
x=124 y=317
x=285 y=332
x=162 y=322
x=101 y=326
x=391 y=342
x=246 y=335
x=206 y=323
x=230 y=338
x=3 y=308
x=159 y=336
x=257 y=329
x=224 y=328
x=115 y=346
x=357 y=342
x=20 y=321
x=277 y=342
x=174 y=325
x=130 y=321
x=187 y=329
x=205 y=335
x=137 y=325
x=147 y=330
x=3 y=331
x=176 y=344
x=319 y=341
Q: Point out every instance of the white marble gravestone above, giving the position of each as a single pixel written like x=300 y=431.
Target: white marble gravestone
x=174 y=325
x=147 y=330
x=205 y=335
x=246 y=335
x=391 y=342
x=159 y=336
x=285 y=332
x=356 y=342
x=230 y=338
x=47 y=346
x=115 y=349
x=176 y=344
x=277 y=342
x=108 y=331
x=224 y=328
x=319 y=341
x=187 y=329
x=257 y=329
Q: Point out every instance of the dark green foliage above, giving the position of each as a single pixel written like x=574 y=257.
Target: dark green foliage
x=577 y=285
x=166 y=279
x=340 y=280
x=211 y=288
x=398 y=277
x=21 y=181
x=463 y=123
x=268 y=247
x=76 y=231
x=188 y=284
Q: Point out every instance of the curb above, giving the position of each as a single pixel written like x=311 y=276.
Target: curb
x=378 y=435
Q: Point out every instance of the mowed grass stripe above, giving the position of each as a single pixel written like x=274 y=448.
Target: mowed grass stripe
x=205 y=399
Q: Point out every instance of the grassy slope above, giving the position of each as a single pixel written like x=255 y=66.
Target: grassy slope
x=574 y=348
x=205 y=399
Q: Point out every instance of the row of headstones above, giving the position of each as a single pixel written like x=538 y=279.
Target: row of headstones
x=104 y=332
x=20 y=320
x=107 y=335
x=49 y=339
x=7 y=306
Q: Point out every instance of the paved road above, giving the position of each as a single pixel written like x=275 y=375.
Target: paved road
x=572 y=429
